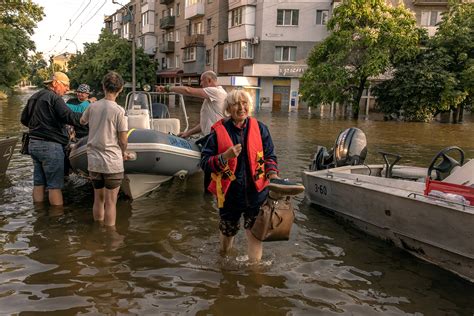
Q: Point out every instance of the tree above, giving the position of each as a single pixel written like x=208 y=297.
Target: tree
x=17 y=21
x=440 y=78
x=367 y=39
x=38 y=69
x=110 y=53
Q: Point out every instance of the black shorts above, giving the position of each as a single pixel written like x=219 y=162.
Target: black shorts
x=229 y=223
x=108 y=180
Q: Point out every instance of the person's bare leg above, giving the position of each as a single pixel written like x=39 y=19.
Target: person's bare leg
x=38 y=193
x=254 y=247
x=99 y=201
x=226 y=243
x=111 y=206
x=55 y=197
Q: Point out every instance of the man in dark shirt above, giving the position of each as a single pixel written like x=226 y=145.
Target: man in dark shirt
x=45 y=115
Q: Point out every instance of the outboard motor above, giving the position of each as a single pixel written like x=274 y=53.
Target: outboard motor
x=350 y=149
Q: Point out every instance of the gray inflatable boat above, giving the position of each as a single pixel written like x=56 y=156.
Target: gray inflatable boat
x=157 y=154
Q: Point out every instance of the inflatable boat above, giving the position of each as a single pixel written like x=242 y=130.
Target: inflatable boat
x=156 y=153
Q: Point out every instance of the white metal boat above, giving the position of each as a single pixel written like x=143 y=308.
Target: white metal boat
x=157 y=153
x=430 y=219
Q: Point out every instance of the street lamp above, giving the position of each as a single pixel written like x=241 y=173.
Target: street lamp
x=133 y=43
x=70 y=40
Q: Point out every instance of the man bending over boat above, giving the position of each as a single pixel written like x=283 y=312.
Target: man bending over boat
x=106 y=148
x=212 y=108
x=240 y=154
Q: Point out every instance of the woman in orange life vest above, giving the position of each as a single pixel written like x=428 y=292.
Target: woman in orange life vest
x=240 y=155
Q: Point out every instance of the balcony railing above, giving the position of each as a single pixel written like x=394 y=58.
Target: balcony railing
x=430 y=2
x=194 y=40
x=167 y=47
x=166 y=1
x=167 y=22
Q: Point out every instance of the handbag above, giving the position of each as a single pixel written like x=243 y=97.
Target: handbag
x=25 y=141
x=274 y=220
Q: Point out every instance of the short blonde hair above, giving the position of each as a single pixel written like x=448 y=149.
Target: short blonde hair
x=237 y=95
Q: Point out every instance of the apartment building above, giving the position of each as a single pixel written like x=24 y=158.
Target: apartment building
x=261 y=45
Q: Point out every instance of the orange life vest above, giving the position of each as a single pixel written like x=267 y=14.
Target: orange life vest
x=221 y=181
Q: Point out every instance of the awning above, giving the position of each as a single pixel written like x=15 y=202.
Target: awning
x=170 y=73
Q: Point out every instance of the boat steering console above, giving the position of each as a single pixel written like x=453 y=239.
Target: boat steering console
x=447 y=164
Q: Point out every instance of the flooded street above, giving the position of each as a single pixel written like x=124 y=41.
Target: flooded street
x=163 y=256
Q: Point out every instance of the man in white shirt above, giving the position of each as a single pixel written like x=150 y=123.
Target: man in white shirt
x=212 y=108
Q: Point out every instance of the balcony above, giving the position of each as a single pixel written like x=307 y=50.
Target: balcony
x=166 y=1
x=193 y=11
x=167 y=22
x=431 y=2
x=167 y=47
x=194 y=40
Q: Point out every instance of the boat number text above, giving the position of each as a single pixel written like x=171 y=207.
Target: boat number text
x=321 y=189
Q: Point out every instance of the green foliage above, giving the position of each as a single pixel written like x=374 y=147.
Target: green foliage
x=368 y=38
x=17 y=21
x=38 y=69
x=110 y=53
x=441 y=78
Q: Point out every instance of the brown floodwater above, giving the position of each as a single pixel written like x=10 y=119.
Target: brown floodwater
x=163 y=259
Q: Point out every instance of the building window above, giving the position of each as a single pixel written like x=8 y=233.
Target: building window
x=246 y=50
x=176 y=61
x=144 y=19
x=209 y=26
x=189 y=54
x=322 y=17
x=285 y=53
x=208 y=57
x=240 y=49
x=430 y=18
x=126 y=30
x=177 y=36
x=197 y=28
x=192 y=2
x=168 y=63
x=178 y=12
x=235 y=17
x=169 y=36
x=287 y=17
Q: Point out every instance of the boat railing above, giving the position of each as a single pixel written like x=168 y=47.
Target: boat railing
x=142 y=104
x=435 y=198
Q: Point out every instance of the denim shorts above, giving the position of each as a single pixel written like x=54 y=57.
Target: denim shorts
x=48 y=162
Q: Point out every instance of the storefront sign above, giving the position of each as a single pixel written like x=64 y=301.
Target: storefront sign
x=291 y=70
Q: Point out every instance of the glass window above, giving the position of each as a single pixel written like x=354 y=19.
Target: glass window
x=209 y=26
x=196 y=28
x=430 y=18
x=285 y=54
x=235 y=17
x=322 y=17
x=287 y=17
x=178 y=12
x=176 y=61
x=177 y=36
x=208 y=57
x=246 y=50
x=189 y=54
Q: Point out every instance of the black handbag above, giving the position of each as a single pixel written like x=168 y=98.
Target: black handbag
x=25 y=141
x=274 y=220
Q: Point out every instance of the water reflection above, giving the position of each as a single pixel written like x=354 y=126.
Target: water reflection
x=163 y=256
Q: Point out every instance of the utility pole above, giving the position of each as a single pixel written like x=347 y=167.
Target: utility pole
x=133 y=43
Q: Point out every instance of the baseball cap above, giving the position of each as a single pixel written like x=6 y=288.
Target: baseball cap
x=84 y=88
x=59 y=76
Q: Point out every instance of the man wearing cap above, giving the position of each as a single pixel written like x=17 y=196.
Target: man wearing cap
x=79 y=104
x=81 y=101
x=45 y=115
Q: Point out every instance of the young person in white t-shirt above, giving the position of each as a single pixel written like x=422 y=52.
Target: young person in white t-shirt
x=106 y=148
x=212 y=109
